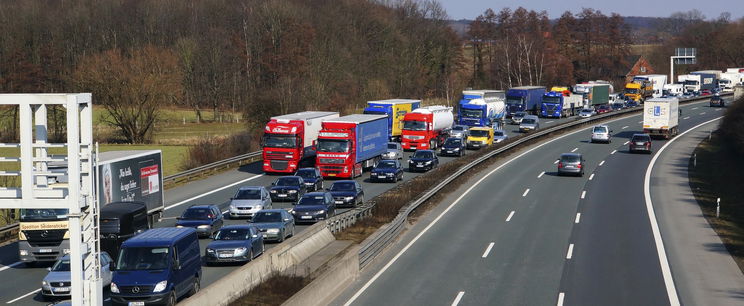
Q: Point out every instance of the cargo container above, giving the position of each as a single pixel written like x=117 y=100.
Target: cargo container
x=657 y=81
x=524 y=98
x=697 y=81
x=395 y=109
x=288 y=140
x=427 y=127
x=661 y=117
x=481 y=107
x=347 y=145
x=598 y=94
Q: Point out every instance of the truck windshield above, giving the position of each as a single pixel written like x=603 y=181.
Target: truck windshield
x=333 y=145
x=551 y=100
x=478 y=133
x=513 y=100
x=691 y=82
x=279 y=141
x=631 y=91
x=471 y=113
x=414 y=125
x=109 y=226
x=143 y=258
x=31 y=215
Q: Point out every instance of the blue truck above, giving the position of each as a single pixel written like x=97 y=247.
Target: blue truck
x=524 y=98
x=395 y=109
x=556 y=104
x=348 y=144
x=481 y=107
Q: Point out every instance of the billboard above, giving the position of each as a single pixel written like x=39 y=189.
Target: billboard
x=132 y=179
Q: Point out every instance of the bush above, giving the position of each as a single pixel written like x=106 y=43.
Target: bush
x=209 y=149
x=732 y=126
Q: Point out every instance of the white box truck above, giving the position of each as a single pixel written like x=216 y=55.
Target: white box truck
x=661 y=117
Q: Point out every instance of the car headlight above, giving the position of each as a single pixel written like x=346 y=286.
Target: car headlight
x=348 y=198
x=210 y=251
x=272 y=231
x=390 y=174
x=456 y=149
x=160 y=286
x=427 y=163
x=239 y=251
x=44 y=283
x=204 y=226
x=179 y=226
x=309 y=183
x=291 y=211
x=293 y=191
x=259 y=207
x=114 y=288
x=321 y=211
x=273 y=191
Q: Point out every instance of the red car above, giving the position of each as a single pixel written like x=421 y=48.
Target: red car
x=604 y=109
x=640 y=142
x=706 y=92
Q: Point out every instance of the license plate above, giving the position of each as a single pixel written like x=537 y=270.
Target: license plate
x=225 y=255
x=282 y=195
x=65 y=289
x=339 y=202
x=419 y=165
x=136 y=303
x=45 y=250
x=450 y=152
x=306 y=217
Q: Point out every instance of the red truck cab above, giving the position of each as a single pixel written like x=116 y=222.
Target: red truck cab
x=282 y=146
x=426 y=128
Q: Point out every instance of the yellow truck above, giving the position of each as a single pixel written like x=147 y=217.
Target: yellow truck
x=395 y=109
x=639 y=90
x=479 y=137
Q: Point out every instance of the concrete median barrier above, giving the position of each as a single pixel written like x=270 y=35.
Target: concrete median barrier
x=330 y=283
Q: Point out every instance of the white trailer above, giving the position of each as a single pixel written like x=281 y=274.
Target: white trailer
x=657 y=80
x=673 y=89
x=661 y=117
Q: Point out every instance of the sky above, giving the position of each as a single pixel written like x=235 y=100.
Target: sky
x=469 y=9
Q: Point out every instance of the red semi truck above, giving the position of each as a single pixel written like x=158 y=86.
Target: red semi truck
x=348 y=144
x=426 y=127
x=289 y=139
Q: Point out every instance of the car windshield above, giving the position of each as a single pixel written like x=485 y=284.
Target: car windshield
x=306 y=173
x=197 y=213
x=62 y=265
x=232 y=234
x=393 y=146
x=586 y=111
x=414 y=125
x=640 y=138
x=423 y=155
x=453 y=142
x=569 y=158
x=600 y=129
x=288 y=181
x=267 y=217
x=279 y=141
x=312 y=200
x=498 y=133
x=248 y=194
x=333 y=145
x=386 y=164
x=479 y=133
x=604 y=107
x=519 y=115
x=343 y=186
x=528 y=121
x=143 y=258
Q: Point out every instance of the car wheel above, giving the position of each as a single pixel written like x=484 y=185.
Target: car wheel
x=293 y=231
x=281 y=237
x=171 y=299
x=250 y=257
x=195 y=287
x=362 y=201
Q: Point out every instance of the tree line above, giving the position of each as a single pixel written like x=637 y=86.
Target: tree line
x=259 y=57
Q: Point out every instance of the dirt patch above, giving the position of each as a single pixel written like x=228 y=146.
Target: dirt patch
x=274 y=290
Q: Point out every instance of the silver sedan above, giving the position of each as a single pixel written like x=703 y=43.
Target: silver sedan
x=394 y=151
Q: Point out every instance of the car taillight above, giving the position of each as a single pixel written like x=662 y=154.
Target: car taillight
x=579 y=166
x=560 y=165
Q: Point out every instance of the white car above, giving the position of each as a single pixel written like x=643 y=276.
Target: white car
x=499 y=136
x=601 y=133
x=248 y=200
x=586 y=113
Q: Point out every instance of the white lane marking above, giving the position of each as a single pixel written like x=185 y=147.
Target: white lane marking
x=225 y=211
x=601 y=163
x=718 y=109
x=666 y=270
x=685 y=118
x=694 y=108
x=640 y=122
x=446 y=210
x=570 y=251
x=458 y=298
x=561 y=296
x=703 y=113
x=213 y=191
x=613 y=152
x=511 y=214
x=574 y=150
x=583 y=194
x=541 y=174
x=555 y=162
x=626 y=142
x=488 y=250
x=526 y=192
x=10 y=266
x=578 y=218
x=591 y=176
x=548 y=122
x=625 y=127
x=23 y=296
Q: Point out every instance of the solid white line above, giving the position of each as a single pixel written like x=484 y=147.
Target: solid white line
x=570 y=251
x=625 y=127
x=578 y=218
x=591 y=176
x=583 y=194
x=626 y=142
x=561 y=296
x=694 y=108
x=640 y=121
x=613 y=152
x=541 y=174
x=488 y=250
x=685 y=118
x=458 y=298
x=213 y=191
x=548 y=122
x=10 y=266
x=666 y=270
x=574 y=150
x=718 y=109
x=555 y=162
x=703 y=113
x=601 y=163
x=510 y=215
x=446 y=210
x=23 y=296
x=526 y=192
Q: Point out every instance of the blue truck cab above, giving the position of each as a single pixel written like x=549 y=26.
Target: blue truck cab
x=157 y=267
x=481 y=107
x=524 y=98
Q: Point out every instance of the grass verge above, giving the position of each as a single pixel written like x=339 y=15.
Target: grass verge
x=273 y=291
x=720 y=174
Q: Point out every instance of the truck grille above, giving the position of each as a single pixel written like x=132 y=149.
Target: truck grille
x=331 y=160
x=279 y=164
x=277 y=155
x=45 y=238
x=332 y=169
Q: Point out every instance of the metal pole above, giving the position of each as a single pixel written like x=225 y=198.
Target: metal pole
x=718 y=207
x=671 y=70
x=76 y=245
x=694 y=160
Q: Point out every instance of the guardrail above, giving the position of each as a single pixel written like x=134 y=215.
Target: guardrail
x=200 y=171
x=8 y=232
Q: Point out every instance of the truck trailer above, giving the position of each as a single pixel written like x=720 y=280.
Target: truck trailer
x=598 y=94
x=697 y=81
x=524 y=98
x=661 y=117
x=657 y=81
x=481 y=107
x=557 y=104
x=347 y=145
x=289 y=139
x=427 y=127
x=395 y=109
x=123 y=176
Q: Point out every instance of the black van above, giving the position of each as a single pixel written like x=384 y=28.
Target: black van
x=119 y=222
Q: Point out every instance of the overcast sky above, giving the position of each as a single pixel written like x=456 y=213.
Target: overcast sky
x=469 y=9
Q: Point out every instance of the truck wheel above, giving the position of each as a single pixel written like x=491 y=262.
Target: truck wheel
x=195 y=287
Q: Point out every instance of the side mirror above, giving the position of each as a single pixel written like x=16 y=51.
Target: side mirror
x=286 y=219
x=273 y=183
x=49 y=269
x=176 y=265
x=112 y=266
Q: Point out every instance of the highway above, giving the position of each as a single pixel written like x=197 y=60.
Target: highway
x=20 y=284
x=521 y=235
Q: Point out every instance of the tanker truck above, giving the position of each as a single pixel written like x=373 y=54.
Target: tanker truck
x=427 y=127
x=481 y=107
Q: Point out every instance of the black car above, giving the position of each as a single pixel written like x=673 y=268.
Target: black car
x=311 y=176
x=287 y=189
x=453 y=147
x=387 y=170
x=717 y=101
x=206 y=219
x=423 y=160
x=347 y=193
x=314 y=206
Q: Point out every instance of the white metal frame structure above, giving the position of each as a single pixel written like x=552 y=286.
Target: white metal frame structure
x=79 y=195
x=682 y=56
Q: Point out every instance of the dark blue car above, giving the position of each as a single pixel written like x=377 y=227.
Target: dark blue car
x=287 y=189
x=453 y=147
x=312 y=178
x=235 y=243
x=205 y=219
x=347 y=193
x=387 y=171
x=314 y=206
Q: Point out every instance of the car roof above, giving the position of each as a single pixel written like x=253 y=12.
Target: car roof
x=345 y=181
x=306 y=168
x=250 y=187
x=271 y=210
x=163 y=236
x=315 y=194
x=118 y=209
x=237 y=226
x=423 y=151
x=530 y=116
x=289 y=176
x=641 y=135
x=571 y=154
x=601 y=125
